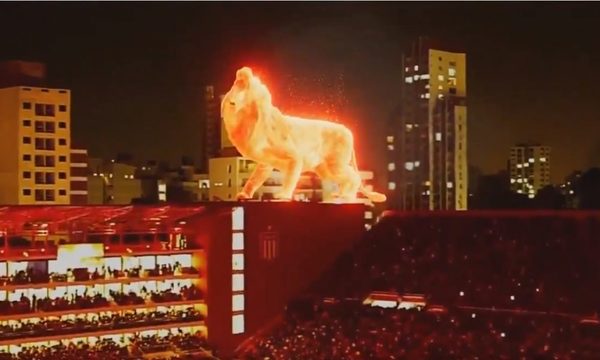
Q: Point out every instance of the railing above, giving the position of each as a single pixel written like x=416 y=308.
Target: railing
x=4 y=286
x=111 y=308
x=118 y=331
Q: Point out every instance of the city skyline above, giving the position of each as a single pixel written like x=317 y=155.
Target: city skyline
x=529 y=80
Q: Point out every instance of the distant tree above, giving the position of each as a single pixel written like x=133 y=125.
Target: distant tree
x=588 y=189
x=493 y=192
x=549 y=197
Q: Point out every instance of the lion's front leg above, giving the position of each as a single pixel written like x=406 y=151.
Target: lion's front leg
x=260 y=174
x=291 y=176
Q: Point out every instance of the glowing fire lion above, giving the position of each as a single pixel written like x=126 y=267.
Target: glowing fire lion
x=290 y=144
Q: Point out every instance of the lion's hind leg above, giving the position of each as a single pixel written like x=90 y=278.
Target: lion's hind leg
x=347 y=179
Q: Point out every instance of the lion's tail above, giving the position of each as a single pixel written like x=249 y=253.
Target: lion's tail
x=371 y=195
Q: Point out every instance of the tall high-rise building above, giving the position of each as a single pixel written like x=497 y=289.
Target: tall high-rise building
x=212 y=130
x=529 y=167
x=427 y=138
x=35 y=128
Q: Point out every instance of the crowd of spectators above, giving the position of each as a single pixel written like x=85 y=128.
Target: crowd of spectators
x=546 y=263
x=138 y=349
x=513 y=286
x=33 y=276
x=79 y=325
x=355 y=331
x=86 y=301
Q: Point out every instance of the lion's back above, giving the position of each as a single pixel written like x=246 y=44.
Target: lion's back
x=317 y=141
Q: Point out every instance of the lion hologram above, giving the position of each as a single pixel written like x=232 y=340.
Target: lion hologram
x=289 y=144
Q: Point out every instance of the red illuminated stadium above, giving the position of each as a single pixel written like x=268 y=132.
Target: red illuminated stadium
x=204 y=277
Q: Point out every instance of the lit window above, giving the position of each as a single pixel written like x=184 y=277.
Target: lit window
x=451 y=72
x=416 y=77
x=417 y=163
x=438 y=136
x=441 y=77
x=390 y=139
x=409 y=165
x=526 y=165
x=237 y=302
x=440 y=96
x=409 y=127
x=390 y=147
x=237 y=241
x=368 y=215
x=531 y=196
x=237 y=262
x=391 y=185
x=416 y=67
x=408 y=80
x=407 y=69
x=424 y=76
x=531 y=160
x=237 y=218
x=237 y=324
x=391 y=167
x=427 y=96
x=512 y=181
x=449 y=185
x=427 y=183
x=519 y=166
x=519 y=191
x=237 y=282
x=519 y=181
x=440 y=87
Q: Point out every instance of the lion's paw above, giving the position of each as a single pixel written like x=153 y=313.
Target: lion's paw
x=283 y=196
x=243 y=196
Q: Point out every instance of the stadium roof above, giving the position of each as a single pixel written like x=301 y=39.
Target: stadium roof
x=85 y=217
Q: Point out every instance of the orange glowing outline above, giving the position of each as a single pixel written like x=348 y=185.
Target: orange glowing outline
x=290 y=144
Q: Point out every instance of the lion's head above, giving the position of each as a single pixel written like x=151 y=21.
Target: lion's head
x=247 y=91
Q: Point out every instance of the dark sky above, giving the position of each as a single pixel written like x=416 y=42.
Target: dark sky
x=136 y=69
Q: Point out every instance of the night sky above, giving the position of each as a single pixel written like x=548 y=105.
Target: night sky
x=136 y=70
